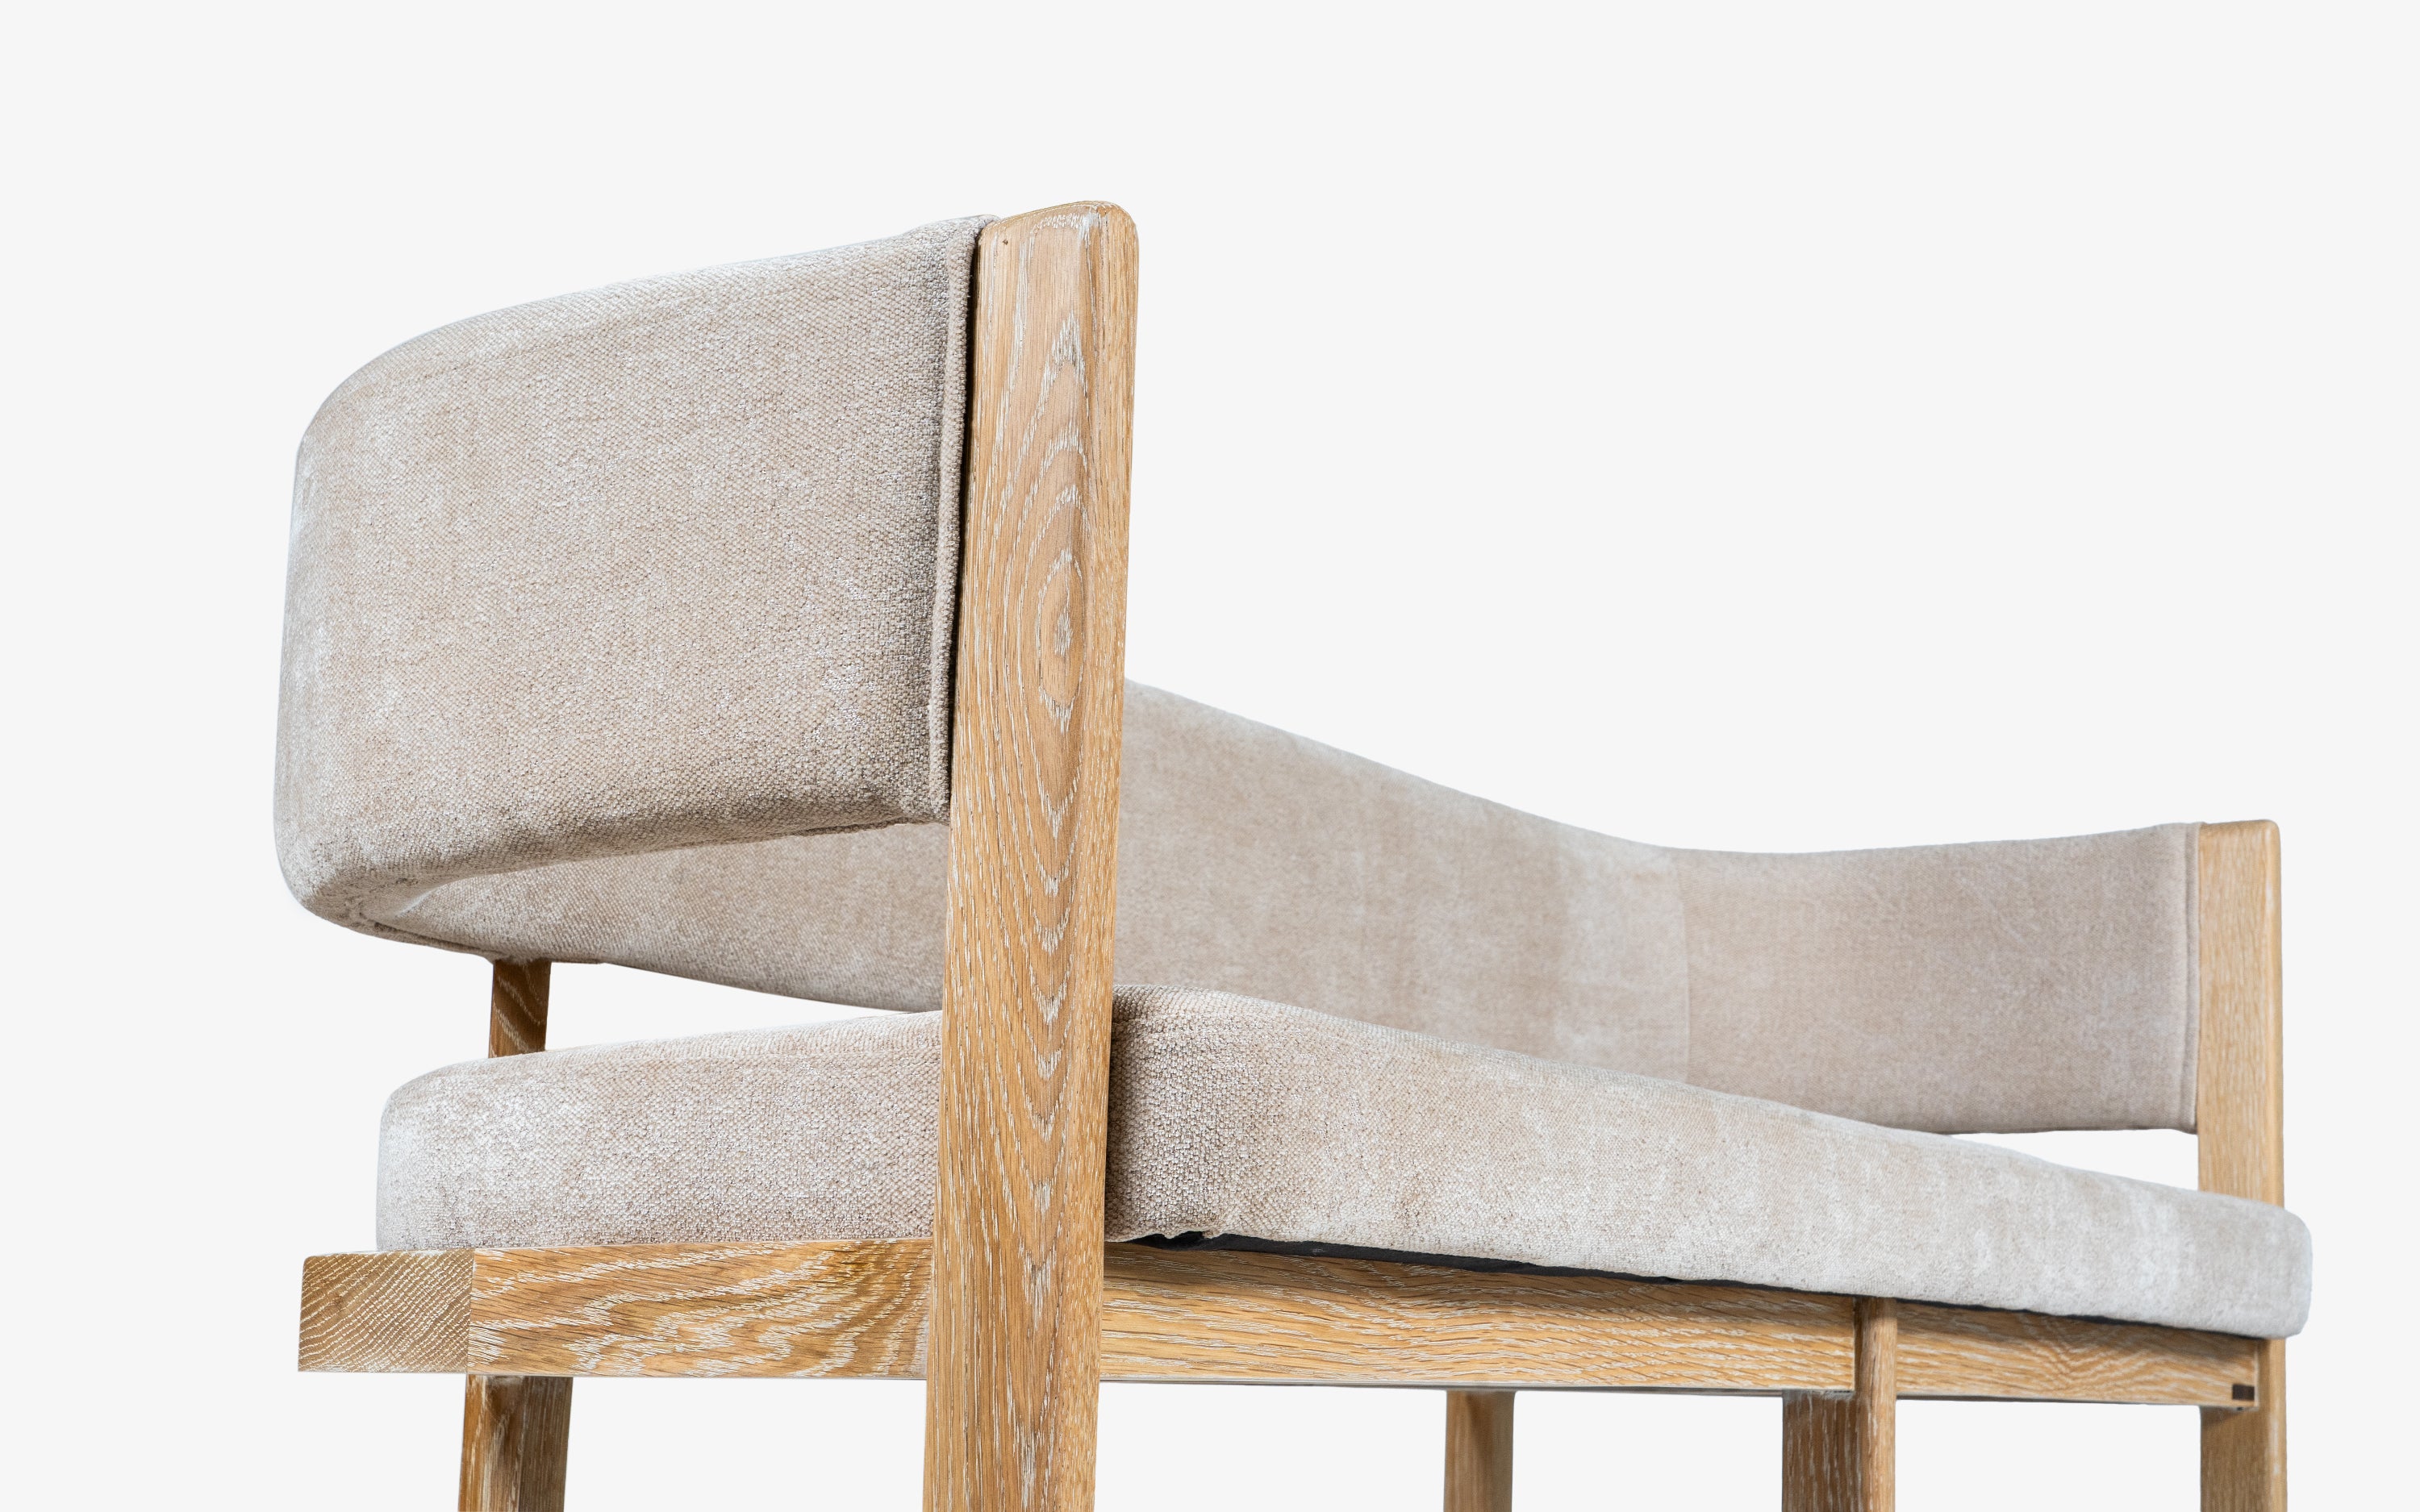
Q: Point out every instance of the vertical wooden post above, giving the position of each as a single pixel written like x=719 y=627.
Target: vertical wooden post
x=516 y=1442
x=1840 y=1455
x=517 y=1007
x=1013 y=1378
x=1479 y=1451
x=516 y=1429
x=2239 y=1117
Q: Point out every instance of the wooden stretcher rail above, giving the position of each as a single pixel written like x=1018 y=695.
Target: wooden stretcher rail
x=859 y=1309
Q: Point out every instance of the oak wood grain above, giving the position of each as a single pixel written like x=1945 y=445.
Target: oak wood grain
x=1980 y=1353
x=1840 y=1453
x=516 y=1428
x=2243 y=1453
x=2239 y=1118
x=516 y=998
x=1039 y=699
x=1875 y=1406
x=854 y=1308
x=1818 y=1452
x=402 y=1310
x=1239 y=1316
x=1479 y=1451
x=858 y=1309
x=516 y=1442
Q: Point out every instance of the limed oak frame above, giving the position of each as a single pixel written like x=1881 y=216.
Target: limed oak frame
x=1015 y=1310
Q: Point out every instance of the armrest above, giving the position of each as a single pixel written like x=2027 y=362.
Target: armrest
x=2010 y=986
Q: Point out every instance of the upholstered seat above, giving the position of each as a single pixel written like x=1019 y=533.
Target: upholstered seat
x=1233 y=1116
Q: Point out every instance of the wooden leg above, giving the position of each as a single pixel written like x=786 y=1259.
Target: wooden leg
x=516 y=1439
x=516 y=1429
x=2243 y=1453
x=1479 y=1451
x=1841 y=1456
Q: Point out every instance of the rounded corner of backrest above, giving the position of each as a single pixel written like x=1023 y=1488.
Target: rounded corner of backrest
x=662 y=564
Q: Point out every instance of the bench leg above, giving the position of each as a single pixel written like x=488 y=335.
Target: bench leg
x=1839 y=1454
x=2243 y=1452
x=1479 y=1451
x=516 y=1439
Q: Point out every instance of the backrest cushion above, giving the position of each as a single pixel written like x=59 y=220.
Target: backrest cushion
x=2013 y=985
x=2031 y=984
x=1249 y=860
x=663 y=564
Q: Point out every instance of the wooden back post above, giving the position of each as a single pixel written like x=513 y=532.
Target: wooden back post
x=2239 y=1115
x=1014 y=1356
x=516 y=1429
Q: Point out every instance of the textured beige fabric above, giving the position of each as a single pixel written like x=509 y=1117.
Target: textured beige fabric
x=2032 y=984
x=1234 y=1117
x=2040 y=984
x=619 y=629
x=1249 y=860
x=661 y=565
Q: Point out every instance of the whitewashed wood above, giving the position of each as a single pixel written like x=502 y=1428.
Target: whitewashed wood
x=2240 y=1111
x=1039 y=699
x=1479 y=1451
x=854 y=1308
x=1818 y=1452
x=400 y=1310
x=516 y=1428
x=1236 y=1315
x=1980 y=1353
x=858 y=1309
x=516 y=1004
x=1875 y=1406
x=1839 y=1454
x=516 y=1442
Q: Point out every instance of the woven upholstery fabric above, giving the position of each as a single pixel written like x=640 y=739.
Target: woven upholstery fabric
x=1233 y=1116
x=619 y=628
x=2030 y=984
x=1249 y=860
x=663 y=564
x=2045 y=984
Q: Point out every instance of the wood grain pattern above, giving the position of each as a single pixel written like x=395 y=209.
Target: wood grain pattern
x=1039 y=701
x=516 y=997
x=516 y=1442
x=858 y=1309
x=1479 y=1451
x=1237 y=1316
x=2243 y=1453
x=400 y=1310
x=1840 y=1453
x=1818 y=1452
x=1972 y=1353
x=2239 y=1114
x=827 y=1309
x=1875 y=1406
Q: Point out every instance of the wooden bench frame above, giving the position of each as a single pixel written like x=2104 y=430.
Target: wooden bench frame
x=1015 y=1310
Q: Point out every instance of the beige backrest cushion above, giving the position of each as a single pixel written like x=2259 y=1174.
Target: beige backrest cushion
x=661 y=565
x=2023 y=985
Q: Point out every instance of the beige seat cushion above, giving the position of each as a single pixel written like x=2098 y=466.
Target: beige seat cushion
x=1234 y=1117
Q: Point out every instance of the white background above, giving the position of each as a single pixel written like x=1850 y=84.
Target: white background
x=1788 y=427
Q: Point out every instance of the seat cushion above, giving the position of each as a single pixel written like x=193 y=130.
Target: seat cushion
x=1238 y=1117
